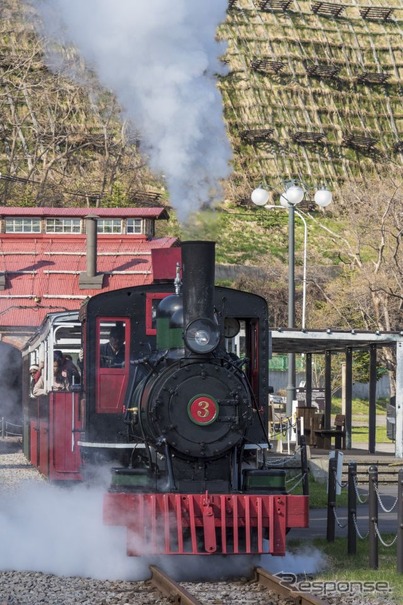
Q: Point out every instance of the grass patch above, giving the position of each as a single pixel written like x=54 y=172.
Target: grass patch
x=342 y=567
x=318 y=494
x=360 y=434
x=360 y=407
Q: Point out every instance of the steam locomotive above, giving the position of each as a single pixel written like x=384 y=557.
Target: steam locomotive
x=178 y=411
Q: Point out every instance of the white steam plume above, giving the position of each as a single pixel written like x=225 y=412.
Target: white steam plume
x=160 y=58
x=306 y=560
x=61 y=531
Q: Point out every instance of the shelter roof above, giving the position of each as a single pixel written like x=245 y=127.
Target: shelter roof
x=288 y=340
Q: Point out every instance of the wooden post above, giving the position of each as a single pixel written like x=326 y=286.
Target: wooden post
x=331 y=500
x=352 y=509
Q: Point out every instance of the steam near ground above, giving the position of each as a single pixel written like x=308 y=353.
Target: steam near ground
x=60 y=530
x=160 y=58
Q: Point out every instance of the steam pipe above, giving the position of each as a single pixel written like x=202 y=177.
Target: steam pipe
x=91 y=229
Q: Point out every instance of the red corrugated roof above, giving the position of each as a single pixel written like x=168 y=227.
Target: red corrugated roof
x=42 y=272
x=157 y=212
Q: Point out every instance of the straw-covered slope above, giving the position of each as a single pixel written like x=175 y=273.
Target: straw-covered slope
x=324 y=81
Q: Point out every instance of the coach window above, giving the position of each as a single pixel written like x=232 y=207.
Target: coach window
x=112 y=340
x=153 y=299
x=113 y=353
x=241 y=342
x=234 y=332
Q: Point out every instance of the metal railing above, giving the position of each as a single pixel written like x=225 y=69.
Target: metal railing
x=375 y=500
x=10 y=429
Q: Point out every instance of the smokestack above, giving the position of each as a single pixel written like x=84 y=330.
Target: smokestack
x=198 y=262
x=90 y=279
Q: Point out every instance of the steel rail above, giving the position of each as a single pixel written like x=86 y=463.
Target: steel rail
x=171 y=589
x=180 y=596
x=273 y=583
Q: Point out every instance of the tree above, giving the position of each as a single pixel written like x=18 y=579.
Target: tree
x=61 y=142
x=368 y=291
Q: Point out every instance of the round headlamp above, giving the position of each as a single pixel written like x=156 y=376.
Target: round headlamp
x=202 y=336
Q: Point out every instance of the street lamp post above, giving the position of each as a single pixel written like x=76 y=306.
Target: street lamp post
x=288 y=200
x=291 y=386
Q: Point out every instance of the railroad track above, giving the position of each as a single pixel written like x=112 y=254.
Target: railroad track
x=171 y=589
x=181 y=595
x=273 y=584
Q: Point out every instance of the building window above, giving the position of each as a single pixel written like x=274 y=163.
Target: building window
x=107 y=225
x=134 y=225
x=63 y=225
x=23 y=225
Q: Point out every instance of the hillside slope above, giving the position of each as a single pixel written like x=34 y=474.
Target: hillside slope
x=313 y=92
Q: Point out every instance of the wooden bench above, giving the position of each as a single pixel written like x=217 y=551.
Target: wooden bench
x=312 y=422
x=324 y=436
